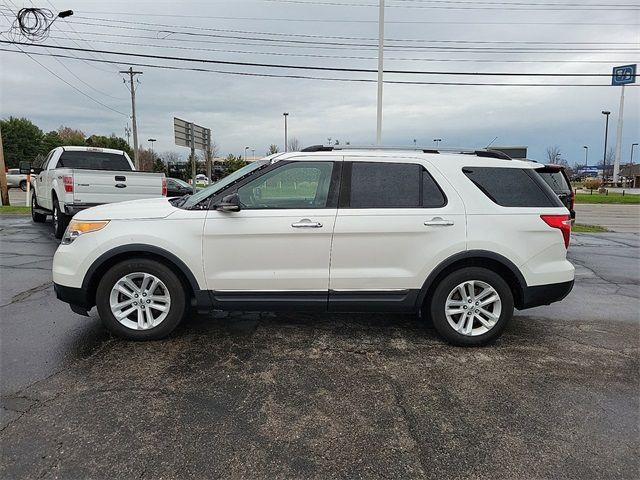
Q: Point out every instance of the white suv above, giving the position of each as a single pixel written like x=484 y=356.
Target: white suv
x=461 y=237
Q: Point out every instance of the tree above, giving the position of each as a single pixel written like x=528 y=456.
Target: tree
x=232 y=163
x=146 y=160
x=71 y=136
x=273 y=148
x=170 y=157
x=553 y=154
x=112 y=141
x=50 y=141
x=159 y=166
x=21 y=139
x=293 y=145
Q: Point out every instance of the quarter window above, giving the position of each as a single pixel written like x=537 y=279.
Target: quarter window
x=393 y=185
x=293 y=185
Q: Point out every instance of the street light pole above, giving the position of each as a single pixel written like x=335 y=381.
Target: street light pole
x=606 y=113
x=285 y=115
x=245 y=153
x=253 y=154
x=632 y=145
x=586 y=155
x=437 y=141
x=151 y=140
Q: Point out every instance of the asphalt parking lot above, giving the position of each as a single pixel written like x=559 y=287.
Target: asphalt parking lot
x=247 y=395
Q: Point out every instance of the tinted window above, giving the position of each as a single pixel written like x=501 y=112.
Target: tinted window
x=392 y=185
x=513 y=187
x=93 y=161
x=293 y=185
x=555 y=180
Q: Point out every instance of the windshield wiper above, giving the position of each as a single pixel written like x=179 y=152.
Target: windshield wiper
x=178 y=202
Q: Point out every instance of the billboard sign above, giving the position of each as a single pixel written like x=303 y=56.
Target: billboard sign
x=623 y=75
x=183 y=131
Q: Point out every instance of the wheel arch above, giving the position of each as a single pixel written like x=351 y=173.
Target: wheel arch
x=476 y=258
x=125 y=252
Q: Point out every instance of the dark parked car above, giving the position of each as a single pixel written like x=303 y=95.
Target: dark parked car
x=177 y=187
x=556 y=177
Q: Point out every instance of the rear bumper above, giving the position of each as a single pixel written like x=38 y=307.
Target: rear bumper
x=73 y=208
x=76 y=298
x=544 y=294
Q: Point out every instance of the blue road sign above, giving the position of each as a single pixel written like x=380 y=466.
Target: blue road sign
x=623 y=75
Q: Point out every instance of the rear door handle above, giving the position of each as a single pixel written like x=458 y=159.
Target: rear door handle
x=306 y=223
x=438 y=222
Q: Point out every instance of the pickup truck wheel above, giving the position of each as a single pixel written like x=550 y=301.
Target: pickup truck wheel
x=60 y=220
x=35 y=216
x=141 y=299
x=471 y=306
x=23 y=185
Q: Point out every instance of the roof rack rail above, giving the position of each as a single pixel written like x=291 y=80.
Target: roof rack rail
x=466 y=151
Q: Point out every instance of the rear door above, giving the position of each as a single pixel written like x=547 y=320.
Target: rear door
x=397 y=220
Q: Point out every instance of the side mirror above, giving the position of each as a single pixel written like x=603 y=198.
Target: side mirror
x=229 y=203
x=25 y=167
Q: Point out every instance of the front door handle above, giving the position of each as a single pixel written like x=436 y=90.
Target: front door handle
x=306 y=223
x=438 y=222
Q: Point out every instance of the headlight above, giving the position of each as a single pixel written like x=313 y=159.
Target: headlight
x=78 y=227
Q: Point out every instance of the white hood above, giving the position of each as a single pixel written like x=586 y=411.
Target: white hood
x=130 y=210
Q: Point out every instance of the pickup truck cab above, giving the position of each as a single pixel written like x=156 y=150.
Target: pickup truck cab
x=71 y=179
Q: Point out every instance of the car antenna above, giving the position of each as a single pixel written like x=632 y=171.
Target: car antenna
x=491 y=142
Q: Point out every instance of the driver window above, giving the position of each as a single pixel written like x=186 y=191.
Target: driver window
x=293 y=185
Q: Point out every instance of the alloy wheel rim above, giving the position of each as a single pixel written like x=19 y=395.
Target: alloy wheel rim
x=55 y=218
x=140 y=301
x=473 y=308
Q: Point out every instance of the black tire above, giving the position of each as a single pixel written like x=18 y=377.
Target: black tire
x=176 y=290
x=60 y=220
x=35 y=216
x=446 y=287
x=23 y=185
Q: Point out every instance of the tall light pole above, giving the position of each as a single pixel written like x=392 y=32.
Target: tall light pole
x=380 y=70
x=245 y=153
x=151 y=140
x=285 y=115
x=253 y=154
x=437 y=141
x=606 y=113
x=632 y=145
x=586 y=155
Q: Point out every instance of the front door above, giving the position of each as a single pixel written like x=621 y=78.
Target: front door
x=277 y=247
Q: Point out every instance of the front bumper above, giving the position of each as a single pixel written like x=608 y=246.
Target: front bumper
x=73 y=208
x=77 y=298
x=544 y=294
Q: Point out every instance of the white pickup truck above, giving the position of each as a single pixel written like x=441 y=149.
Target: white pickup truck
x=71 y=179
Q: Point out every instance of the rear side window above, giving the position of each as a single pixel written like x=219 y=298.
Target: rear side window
x=93 y=161
x=513 y=187
x=393 y=185
x=555 y=180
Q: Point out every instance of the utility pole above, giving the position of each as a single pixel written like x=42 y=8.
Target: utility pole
x=193 y=157
x=127 y=133
x=208 y=153
x=132 y=87
x=3 y=176
x=380 y=70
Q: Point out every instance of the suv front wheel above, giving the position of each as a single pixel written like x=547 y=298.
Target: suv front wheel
x=141 y=299
x=471 y=306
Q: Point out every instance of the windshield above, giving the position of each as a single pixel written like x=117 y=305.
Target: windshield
x=181 y=183
x=555 y=180
x=219 y=185
x=90 y=160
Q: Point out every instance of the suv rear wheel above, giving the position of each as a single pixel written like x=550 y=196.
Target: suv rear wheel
x=141 y=299
x=471 y=306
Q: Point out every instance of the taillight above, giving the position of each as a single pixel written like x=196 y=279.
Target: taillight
x=164 y=187
x=562 y=222
x=572 y=199
x=67 y=180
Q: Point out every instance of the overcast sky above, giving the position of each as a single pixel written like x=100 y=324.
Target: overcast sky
x=247 y=110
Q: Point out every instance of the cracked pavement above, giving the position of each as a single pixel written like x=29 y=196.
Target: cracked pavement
x=248 y=395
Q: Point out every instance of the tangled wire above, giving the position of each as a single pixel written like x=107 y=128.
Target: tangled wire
x=33 y=24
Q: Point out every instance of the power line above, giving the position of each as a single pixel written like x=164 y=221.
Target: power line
x=315 y=55
x=311 y=67
x=470 y=6
x=357 y=80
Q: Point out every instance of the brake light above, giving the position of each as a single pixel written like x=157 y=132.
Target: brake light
x=164 y=187
x=67 y=180
x=562 y=222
